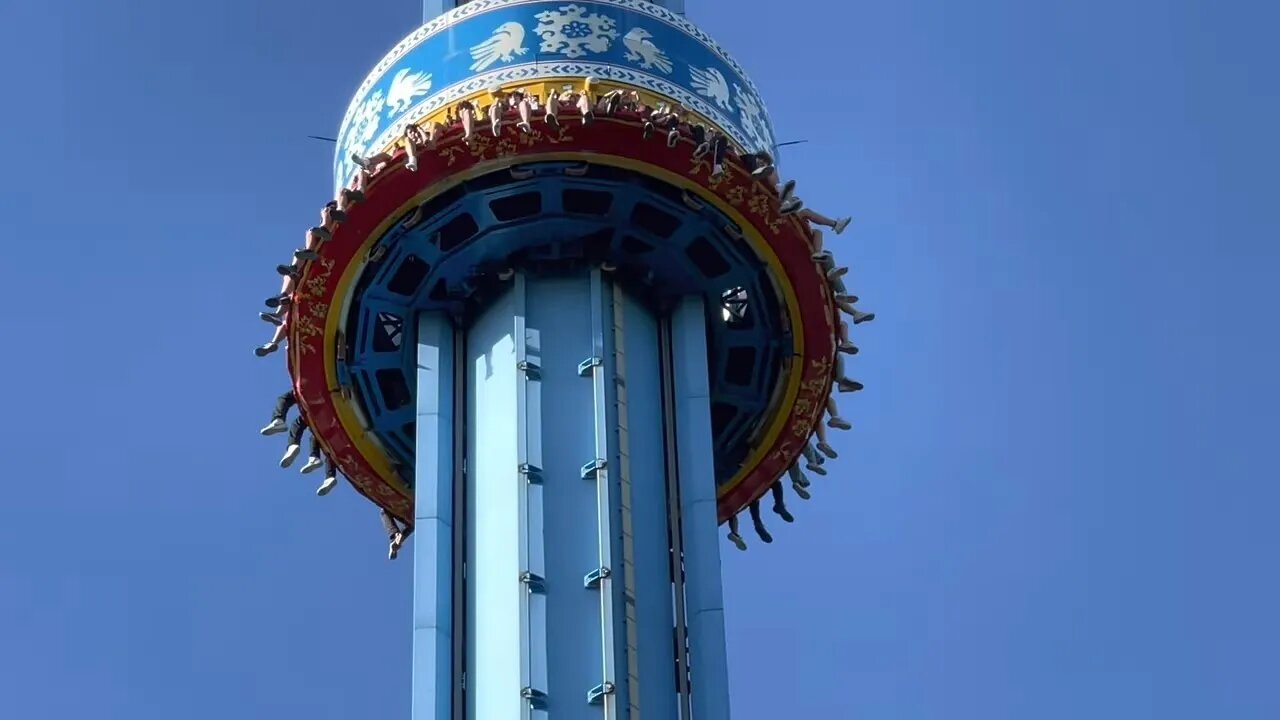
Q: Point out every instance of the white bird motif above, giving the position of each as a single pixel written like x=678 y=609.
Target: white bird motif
x=505 y=43
x=712 y=84
x=641 y=49
x=406 y=86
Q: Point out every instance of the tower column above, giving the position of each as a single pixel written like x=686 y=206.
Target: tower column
x=568 y=560
x=433 y=521
x=704 y=600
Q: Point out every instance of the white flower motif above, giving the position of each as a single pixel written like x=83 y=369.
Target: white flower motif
x=711 y=83
x=505 y=43
x=641 y=49
x=753 y=120
x=406 y=86
x=574 y=32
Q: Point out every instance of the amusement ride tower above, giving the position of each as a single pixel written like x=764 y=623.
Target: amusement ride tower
x=564 y=352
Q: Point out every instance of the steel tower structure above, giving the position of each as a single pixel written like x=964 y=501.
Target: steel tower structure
x=565 y=352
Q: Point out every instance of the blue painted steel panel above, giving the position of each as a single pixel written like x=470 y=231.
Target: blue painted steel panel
x=487 y=42
x=655 y=616
x=559 y=309
x=433 y=521
x=703 y=595
x=494 y=592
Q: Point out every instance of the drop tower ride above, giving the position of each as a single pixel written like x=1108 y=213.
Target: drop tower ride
x=565 y=352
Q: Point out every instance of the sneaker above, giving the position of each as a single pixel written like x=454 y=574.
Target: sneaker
x=815 y=468
x=363 y=163
x=788 y=187
x=821 y=256
x=265 y=350
x=271 y=318
x=701 y=150
x=782 y=512
x=321 y=233
x=304 y=255
x=764 y=534
x=673 y=137
x=847 y=348
x=861 y=317
x=790 y=205
x=846 y=298
x=838 y=423
x=737 y=540
x=762 y=170
x=352 y=196
x=524 y=127
x=841 y=224
x=338 y=216
x=801 y=492
x=648 y=129
x=552 y=120
x=412 y=164
x=392 y=550
x=847 y=385
x=290 y=453
x=717 y=170
x=827 y=450
x=277 y=425
x=835 y=273
x=287 y=271
x=327 y=485
x=313 y=462
x=588 y=116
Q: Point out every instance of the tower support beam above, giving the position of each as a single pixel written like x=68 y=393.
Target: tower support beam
x=704 y=600
x=433 y=564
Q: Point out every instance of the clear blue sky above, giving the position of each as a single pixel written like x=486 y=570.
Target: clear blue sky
x=1058 y=501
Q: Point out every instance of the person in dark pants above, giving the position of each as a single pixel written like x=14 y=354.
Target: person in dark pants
x=780 y=501
x=395 y=533
x=761 y=530
x=283 y=403
x=317 y=458
x=713 y=142
x=296 y=428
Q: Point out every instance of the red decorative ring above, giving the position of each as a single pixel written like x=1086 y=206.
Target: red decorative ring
x=780 y=241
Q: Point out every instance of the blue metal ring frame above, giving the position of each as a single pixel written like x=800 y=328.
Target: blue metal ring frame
x=539 y=216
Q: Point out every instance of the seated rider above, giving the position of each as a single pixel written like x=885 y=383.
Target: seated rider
x=396 y=534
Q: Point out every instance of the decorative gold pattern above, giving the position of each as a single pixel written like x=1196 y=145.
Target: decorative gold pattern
x=306 y=329
x=316 y=286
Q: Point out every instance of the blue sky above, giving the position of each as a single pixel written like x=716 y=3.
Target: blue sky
x=1057 y=501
